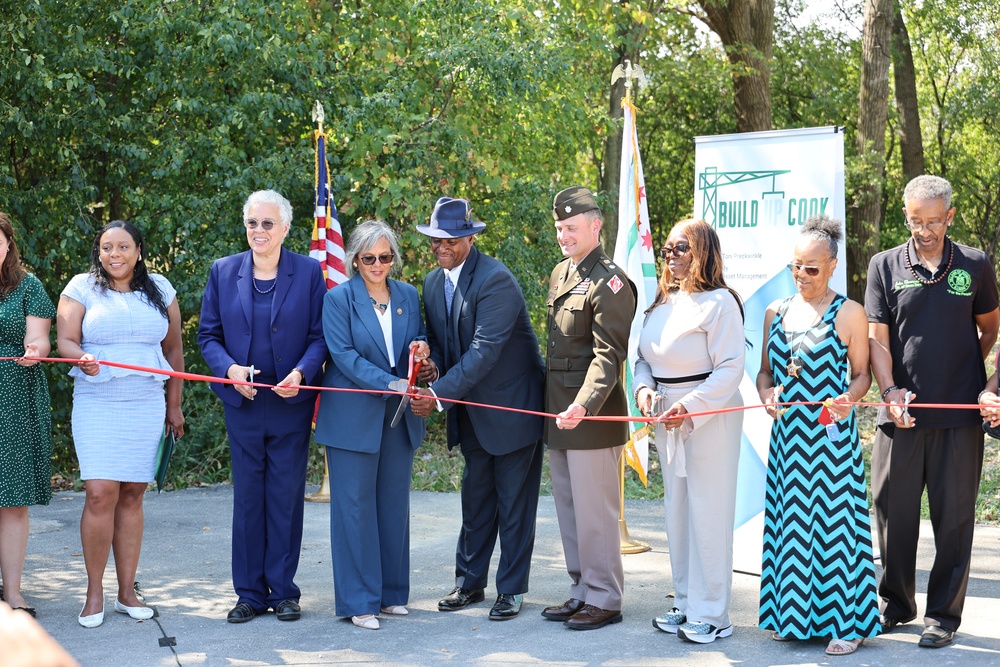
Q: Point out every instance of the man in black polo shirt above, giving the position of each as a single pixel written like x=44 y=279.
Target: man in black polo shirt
x=933 y=318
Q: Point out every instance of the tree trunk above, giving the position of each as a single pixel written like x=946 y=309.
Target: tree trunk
x=746 y=28
x=911 y=141
x=873 y=111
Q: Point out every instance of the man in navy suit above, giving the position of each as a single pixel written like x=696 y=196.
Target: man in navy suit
x=484 y=350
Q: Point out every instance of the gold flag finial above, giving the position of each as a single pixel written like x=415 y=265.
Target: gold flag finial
x=630 y=73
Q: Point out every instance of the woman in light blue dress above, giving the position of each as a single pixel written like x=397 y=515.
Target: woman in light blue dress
x=119 y=312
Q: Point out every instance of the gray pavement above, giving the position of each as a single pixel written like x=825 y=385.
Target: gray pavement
x=184 y=572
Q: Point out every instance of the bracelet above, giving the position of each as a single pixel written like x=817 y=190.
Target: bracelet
x=635 y=394
x=887 y=390
x=979 y=398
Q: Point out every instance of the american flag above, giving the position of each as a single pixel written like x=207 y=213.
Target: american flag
x=327 y=245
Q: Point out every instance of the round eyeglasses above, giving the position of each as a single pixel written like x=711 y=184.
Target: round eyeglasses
x=266 y=224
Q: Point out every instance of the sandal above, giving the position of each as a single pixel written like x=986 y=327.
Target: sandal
x=843 y=646
x=781 y=638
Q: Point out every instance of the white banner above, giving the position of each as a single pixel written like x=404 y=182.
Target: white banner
x=756 y=190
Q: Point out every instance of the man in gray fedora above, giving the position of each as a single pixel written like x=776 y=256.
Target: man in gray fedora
x=483 y=350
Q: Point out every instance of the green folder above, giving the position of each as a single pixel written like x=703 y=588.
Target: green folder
x=163 y=453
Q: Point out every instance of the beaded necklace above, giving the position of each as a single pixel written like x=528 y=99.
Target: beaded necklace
x=253 y=280
x=935 y=281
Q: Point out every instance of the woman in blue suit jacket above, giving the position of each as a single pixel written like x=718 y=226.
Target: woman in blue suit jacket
x=370 y=322
x=262 y=310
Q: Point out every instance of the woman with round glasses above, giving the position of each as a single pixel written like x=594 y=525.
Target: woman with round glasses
x=261 y=321
x=691 y=356
x=371 y=323
x=818 y=576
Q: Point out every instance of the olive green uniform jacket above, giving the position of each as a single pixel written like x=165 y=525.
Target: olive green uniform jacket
x=590 y=310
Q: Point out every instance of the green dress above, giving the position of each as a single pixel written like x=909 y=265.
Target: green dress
x=26 y=426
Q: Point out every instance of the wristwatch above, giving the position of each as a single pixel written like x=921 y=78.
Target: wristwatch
x=301 y=373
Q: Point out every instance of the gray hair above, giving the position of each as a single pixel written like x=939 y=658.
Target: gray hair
x=928 y=187
x=364 y=237
x=270 y=197
x=823 y=228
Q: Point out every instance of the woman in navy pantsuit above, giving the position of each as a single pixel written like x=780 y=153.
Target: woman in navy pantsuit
x=370 y=323
x=262 y=312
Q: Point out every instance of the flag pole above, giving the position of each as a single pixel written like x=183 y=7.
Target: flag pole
x=323 y=495
x=626 y=543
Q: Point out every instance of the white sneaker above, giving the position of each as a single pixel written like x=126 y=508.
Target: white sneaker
x=670 y=621
x=367 y=621
x=703 y=633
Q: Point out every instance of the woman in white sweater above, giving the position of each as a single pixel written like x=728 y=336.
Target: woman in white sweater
x=691 y=355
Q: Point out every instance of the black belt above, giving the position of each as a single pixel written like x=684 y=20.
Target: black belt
x=557 y=364
x=687 y=378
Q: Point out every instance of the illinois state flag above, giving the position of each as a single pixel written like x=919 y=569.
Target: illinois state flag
x=634 y=253
x=327 y=240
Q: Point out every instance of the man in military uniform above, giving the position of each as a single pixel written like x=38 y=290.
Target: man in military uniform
x=591 y=303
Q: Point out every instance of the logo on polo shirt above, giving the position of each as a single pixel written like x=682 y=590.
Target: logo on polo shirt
x=959 y=282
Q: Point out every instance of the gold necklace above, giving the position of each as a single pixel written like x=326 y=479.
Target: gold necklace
x=793 y=366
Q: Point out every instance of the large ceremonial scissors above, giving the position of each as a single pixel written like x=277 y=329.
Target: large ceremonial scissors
x=411 y=383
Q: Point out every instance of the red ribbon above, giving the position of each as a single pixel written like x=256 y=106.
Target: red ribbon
x=415 y=368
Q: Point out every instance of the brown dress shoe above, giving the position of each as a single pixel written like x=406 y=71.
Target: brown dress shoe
x=591 y=618
x=568 y=608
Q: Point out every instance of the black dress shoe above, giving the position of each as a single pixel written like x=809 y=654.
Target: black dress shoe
x=241 y=613
x=889 y=624
x=460 y=598
x=506 y=607
x=288 y=610
x=934 y=636
x=563 y=612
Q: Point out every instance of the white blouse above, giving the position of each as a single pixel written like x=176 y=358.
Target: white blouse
x=692 y=334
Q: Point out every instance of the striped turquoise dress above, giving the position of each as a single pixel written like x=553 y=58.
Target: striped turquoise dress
x=818 y=574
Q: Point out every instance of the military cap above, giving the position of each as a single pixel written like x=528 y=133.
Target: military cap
x=573 y=201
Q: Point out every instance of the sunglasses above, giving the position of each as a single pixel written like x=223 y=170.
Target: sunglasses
x=812 y=271
x=368 y=260
x=676 y=250
x=266 y=225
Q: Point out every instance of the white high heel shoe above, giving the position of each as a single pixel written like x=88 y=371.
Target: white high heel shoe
x=138 y=613
x=93 y=620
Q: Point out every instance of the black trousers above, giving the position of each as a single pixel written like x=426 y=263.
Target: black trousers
x=949 y=463
x=499 y=498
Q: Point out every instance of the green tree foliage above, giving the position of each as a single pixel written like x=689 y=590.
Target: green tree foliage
x=169 y=114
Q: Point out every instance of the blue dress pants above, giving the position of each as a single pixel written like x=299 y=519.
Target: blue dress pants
x=370 y=522
x=269 y=445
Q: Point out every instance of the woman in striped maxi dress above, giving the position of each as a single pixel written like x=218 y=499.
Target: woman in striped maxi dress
x=818 y=575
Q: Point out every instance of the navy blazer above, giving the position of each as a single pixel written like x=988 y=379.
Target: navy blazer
x=496 y=362
x=352 y=420
x=296 y=320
